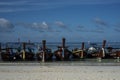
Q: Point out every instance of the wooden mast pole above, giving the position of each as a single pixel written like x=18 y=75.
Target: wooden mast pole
x=44 y=47
x=103 y=47
x=0 y=47
x=82 y=53
x=63 y=47
x=24 y=45
x=102 y=52
x=0 y=51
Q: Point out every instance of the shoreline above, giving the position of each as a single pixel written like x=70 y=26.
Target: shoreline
x=59 y=63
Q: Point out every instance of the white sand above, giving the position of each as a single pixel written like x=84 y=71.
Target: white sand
x=59 y=72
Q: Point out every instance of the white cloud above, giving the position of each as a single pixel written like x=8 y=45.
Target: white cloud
x=57 y=26
x=5 y=25
x=60 y=24
x=99 y=22
x=44 y=25
x=82 y=28
x=95 y=31
x=36 y=26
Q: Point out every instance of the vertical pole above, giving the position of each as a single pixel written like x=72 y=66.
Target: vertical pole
x=82 y=50
x=18 y=40
x=104 y=42
x=0 y=51
x=63 y=47
x=44 y=47
x=63 y=42
x=7 y=49
x=83 y=45
x=0 y=47
x=24 y=45
x=28 y=41
x=103 y=47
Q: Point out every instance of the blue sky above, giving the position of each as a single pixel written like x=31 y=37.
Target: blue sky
x=76 y=20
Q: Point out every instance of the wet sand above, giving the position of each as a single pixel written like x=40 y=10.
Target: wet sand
x=58 y=71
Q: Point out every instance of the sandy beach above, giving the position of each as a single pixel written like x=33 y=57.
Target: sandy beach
x=56 y=72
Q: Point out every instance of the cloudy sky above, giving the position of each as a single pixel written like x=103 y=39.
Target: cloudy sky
x=76 y=20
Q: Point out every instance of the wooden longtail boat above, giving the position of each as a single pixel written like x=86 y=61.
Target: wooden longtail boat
x=79 y=53
x=112 y=52
x=10 y=54
x=5 y=55
x=48 y=55
x=62 y=53
x=96 y=52
x=109 y=52
x=44 y=53
x=17 y=54
x=27 y=53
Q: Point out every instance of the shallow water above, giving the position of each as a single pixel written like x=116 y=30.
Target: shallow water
x=87 y=62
